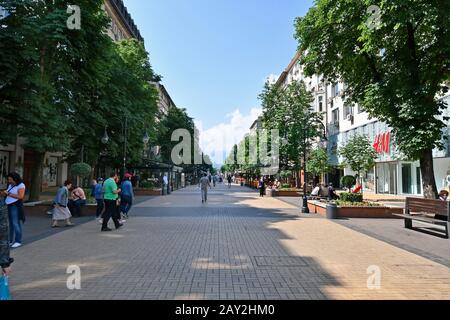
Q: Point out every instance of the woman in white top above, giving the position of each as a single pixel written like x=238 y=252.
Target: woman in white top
x=14 y=200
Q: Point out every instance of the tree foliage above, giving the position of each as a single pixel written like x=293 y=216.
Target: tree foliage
x=289 y=110
x=394 y=67
x=358 y=154
x=318 y=162
x=60 y=88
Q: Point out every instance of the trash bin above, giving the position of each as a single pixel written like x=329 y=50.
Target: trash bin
x=332 y=211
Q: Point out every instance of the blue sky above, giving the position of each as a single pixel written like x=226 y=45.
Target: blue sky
x=214 y=55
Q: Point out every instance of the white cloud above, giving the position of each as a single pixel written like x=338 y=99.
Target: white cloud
x=219 y=140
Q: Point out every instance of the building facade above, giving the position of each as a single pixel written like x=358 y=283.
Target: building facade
x=393 y=174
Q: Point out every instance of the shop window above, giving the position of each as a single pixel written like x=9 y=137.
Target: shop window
x=419 y=180
x=407 y=178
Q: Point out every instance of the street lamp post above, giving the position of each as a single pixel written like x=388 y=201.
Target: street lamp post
x=305 y=208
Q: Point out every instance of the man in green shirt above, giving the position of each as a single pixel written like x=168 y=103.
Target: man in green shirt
x=111 y=196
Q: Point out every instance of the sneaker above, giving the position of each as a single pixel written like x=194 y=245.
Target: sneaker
x=16 y=245
x=106 y=230
x=100 y=221
x=123 y=221
x=120 y=226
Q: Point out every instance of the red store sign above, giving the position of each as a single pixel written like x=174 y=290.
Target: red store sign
x=382 y=143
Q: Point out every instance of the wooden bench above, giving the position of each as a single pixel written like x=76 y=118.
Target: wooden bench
x=323 y=195
x=430 y=211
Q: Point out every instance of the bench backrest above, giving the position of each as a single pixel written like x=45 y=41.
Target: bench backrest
x=437 y=207
x=324 y=192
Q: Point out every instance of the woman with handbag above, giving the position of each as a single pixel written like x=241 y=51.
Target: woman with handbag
x=14 y=200
x=61 y=211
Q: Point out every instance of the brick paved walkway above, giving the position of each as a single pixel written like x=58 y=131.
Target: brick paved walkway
x=237 y=247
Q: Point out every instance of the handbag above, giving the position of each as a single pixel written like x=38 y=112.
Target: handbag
x=5 y=295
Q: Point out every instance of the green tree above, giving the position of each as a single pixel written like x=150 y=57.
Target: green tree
x=394 y=65
x=289 y=110
x=46 y=59
x=359 y=155
x=124 y=95
x=318 y=162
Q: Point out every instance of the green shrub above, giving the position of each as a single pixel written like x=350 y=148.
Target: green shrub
x=285 y=186
x=348 y=181
x=82 y=170
x=341 y=203
x=147 y=184
x=351 y=197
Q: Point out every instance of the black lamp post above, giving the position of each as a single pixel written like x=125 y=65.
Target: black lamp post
x=305 y=208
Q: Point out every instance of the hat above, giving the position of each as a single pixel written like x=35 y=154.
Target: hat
x=127 y=175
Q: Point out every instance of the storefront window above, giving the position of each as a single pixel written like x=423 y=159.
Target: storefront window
x=387 y=178
x=407 y=178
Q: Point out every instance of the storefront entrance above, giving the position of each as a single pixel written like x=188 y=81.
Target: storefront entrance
x=387 y=178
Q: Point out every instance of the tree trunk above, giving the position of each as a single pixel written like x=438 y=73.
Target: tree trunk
x=36 y=176
x=427 y=168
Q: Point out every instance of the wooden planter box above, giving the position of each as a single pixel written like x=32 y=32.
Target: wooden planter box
x=356 y=212
x=148 y=192
x=294 y=194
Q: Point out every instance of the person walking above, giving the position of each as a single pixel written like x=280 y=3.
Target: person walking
x=98 y=195
x=204 y=184
x=14 y=200
x=61 y=211
x=262 y=187
x=229 y=178
x=5 y=259
x=111 y=197
x=126 y=196
x=166 y=185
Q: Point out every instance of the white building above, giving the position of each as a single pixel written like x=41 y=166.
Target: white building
x=392 y=175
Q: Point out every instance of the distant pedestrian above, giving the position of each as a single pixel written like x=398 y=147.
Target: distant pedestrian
x=230 y=179
x=93 y=185
x=5 y=259
x=98 y=195
x=126 y=196
x=262 y=187
x=204 y=184
x=166 y=184
x=15 y=194
x=111 y=197
x=61 y=211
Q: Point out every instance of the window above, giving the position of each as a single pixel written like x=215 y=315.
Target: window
x=336 y=90
x=348 y=111
x=360 y=109
x=320 y=103
x=406 y=178
x=335 y=116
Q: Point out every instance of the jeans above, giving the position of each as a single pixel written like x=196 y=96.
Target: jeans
x=125 y=204
x=204 y=195
x=75 y=207
x=100 y=207
x=15 y=228
x=111 y=212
